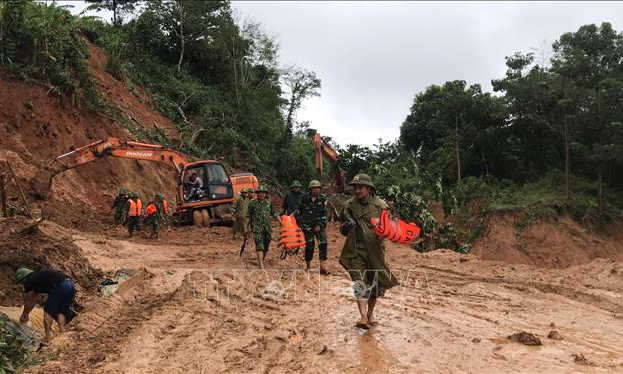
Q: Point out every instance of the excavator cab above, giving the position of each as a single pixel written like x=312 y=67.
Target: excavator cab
x=206 y=181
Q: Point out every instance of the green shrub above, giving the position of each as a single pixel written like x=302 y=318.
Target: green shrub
x=41 y=42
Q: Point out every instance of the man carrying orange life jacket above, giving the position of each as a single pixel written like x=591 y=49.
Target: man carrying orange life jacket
x=156 y=211
x=135 y=210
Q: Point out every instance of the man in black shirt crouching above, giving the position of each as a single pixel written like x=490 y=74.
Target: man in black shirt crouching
x=60 y=290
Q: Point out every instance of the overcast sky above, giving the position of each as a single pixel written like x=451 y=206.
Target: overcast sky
x=373 y=57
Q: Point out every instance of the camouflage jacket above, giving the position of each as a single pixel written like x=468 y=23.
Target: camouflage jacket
x=291 y=202
x=312 y=213
x=241 y=207
x=259 y=213
x=120 y=203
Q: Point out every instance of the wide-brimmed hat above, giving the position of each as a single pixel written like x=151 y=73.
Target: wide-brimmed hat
x=363 y=180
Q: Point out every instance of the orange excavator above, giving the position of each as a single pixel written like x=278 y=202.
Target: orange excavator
x=324 y=149
x=205 y=190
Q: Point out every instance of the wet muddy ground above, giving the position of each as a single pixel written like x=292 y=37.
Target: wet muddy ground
x=195 y=306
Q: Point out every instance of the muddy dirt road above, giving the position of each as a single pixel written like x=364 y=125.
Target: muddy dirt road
x=195 y=307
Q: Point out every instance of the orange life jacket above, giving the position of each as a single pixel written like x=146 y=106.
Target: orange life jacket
x=292 y=237
x=165 y=206
x=393 y=229
x=135 y=208
x=151 y=209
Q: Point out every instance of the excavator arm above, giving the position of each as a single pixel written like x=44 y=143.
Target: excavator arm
x=114 y=147
x=324 y=149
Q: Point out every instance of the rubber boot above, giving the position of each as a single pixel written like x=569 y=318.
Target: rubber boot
x=308 y=267
x=323 y=269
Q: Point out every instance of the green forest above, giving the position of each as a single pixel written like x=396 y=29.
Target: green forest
x=548 y=140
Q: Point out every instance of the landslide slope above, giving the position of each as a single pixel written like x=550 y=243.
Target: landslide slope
x=36 y=125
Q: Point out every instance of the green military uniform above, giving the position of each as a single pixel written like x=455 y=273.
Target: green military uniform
x=259 y=215
x=160 y=215
x=362 y=255
x=241 y=209
x=292 y=200
x=120 y=206
x=312 y=213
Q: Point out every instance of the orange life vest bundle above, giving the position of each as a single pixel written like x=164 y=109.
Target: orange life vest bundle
x=135 y=208
x=291 y=238
x=151 y=210
x=394 y=229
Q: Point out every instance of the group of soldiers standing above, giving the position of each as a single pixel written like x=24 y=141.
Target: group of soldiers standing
x=362 y=254
x=309 y=210
x=129 y=212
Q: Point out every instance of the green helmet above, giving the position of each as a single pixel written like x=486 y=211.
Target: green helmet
x=134 y=195
x=362 y=179
x=314 y=183
x=159 y=196
x=262 y=189
x=296 y=184
x=248 y=190
x=21 y=273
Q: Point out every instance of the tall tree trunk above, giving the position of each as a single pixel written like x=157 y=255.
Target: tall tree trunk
x=182 y=45
x=600 y=181
x=567 y=162
x=458 y=156
x=484 y=160
x=114 y=13
x=290 y=118
x=1 y=42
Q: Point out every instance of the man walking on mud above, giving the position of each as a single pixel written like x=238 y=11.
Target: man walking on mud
x=134 y=208
x=60 y=290
x=260 y=211
x=362 y=255
x=119 y=205
x=312 y=218
x=241 y=208
x=292 y=200
x=157 y=211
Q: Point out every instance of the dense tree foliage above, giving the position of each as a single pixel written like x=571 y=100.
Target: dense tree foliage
x=553 y=126
x=566 y=116
x=217 y=78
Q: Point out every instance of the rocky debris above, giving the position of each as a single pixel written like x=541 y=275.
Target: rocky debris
x=525 y=338
x=580 y=359
x=554 y=335
x=324 y=349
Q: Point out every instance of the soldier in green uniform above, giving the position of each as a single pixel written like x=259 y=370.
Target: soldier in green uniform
x=312 y=218
x=119 y=205
x=292 y=200
x=362 y=255
x=163 y=209
x=157 y=211
x=241 y=207
x=260 y=211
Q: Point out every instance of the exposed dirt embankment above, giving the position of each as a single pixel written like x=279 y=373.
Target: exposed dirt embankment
x=42 y=247
x=553 y=243
x=36 y=125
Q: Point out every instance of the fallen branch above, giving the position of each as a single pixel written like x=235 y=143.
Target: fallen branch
x=32 y=227
x=19 y=187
